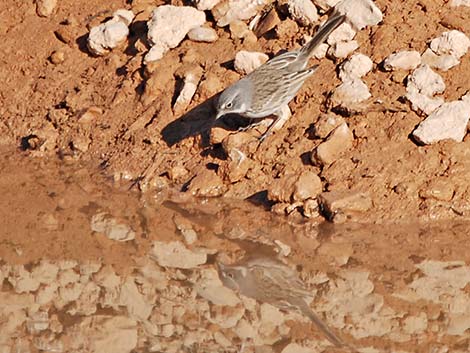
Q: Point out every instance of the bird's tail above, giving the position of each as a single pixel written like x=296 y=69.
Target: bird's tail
x=303 y=306
x=335 y=20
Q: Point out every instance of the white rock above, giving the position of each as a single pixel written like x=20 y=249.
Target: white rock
x=137 y=307
x=204 y=5
x=441 y=62
x=453 y=43
x=168 y=27
x=455 y=3
x=356 y=66
x=45 y=8
x=22 y=280
x=104 y=223
x=360 y=13
x=415 y=324
x=175 y=254
x=426 y=81
x=341 y=50
x=351 y=92
x=403 y=60
x=203 y=34
x=421 y=102
x=233 y=10
x=320 y=51
x=447 y=122
x=123 y=15
x=110 y=34
x=303 y=11
x=191 y=80
x=45 y=272
x=343 y=33
x=247 y=61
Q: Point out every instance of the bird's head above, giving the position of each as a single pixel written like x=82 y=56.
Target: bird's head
x=233 y=100
x=231 y=276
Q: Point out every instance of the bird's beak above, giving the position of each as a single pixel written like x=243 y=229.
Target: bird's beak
x=220 y=114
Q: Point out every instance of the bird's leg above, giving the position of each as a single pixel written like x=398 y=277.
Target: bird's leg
x=251 y=125
x=282 y=115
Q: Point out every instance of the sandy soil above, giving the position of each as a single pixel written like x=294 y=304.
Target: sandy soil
x=84 y=135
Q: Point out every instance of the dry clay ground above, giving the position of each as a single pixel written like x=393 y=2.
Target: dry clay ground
x=118 y=113
x=410 y=285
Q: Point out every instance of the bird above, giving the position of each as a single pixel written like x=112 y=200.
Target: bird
x=264 y=91
x=268 y=280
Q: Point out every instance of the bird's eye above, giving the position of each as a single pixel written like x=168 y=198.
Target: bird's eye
x=228 y=105
x=230 y=275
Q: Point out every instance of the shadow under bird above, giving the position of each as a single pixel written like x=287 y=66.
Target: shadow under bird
x=270 y=87
x=270 y=281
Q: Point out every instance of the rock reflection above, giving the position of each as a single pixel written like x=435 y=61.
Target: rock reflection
x=87 y=268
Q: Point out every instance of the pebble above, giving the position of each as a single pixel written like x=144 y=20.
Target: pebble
x=421 y=102
x=206 y=183
x=190 y=83
x=356 y=66
x=203 y=34
x=402 y=60
x=104 y=223
x=350 y=92
x=110 y=34
x=338 y=142
x=227 y=11
x=344 y=33
x=423 y=84
x=326 y=124
x=57 y=57
x=175 y=255
x=308 y=186
x=303 y=11
x=336 y=204
x=45 y=8
x=360 y=13
x=247 y=61
x=239 y=29
x=168 y=27
x=453 y=43
x=449 y=121
x=265 y=24
x=205 y=5
x=186 y=229
x=438 y=189
x=441 y=62
x=342 y=50
x=238 y=166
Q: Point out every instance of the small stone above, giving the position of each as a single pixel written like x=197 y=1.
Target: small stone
x=360 y=13
x=320 y=51
x=308 y=186
x=203 y=34
x=205 y=5
x=48 y=221
x=356 y=66
x=137 y=305
x=342 y=50
x=339 y=142
x=104 y=223
x=110 y=34
x=206 y=183
x=441 y=62
x=335 y=203
x=349 y=93
x=267 y=23
x=168 y=27
x=238 y=29
x=449 y=121
x=344 y=33
x=403 y=60
x=246 y=62
x=90 y=114
x=45 y=8
x=176 y=255
x=326 y=124
x=453 y=43
x=228 y=11
x=190 y=83
x=421 y=102
x=303 y=11
x=238 y=166
x=22 y=280
x=38 y=322
x=57 y=57
x=426 y=81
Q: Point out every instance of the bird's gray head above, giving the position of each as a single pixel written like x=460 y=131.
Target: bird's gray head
x=234 y=99
x=232 y=276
